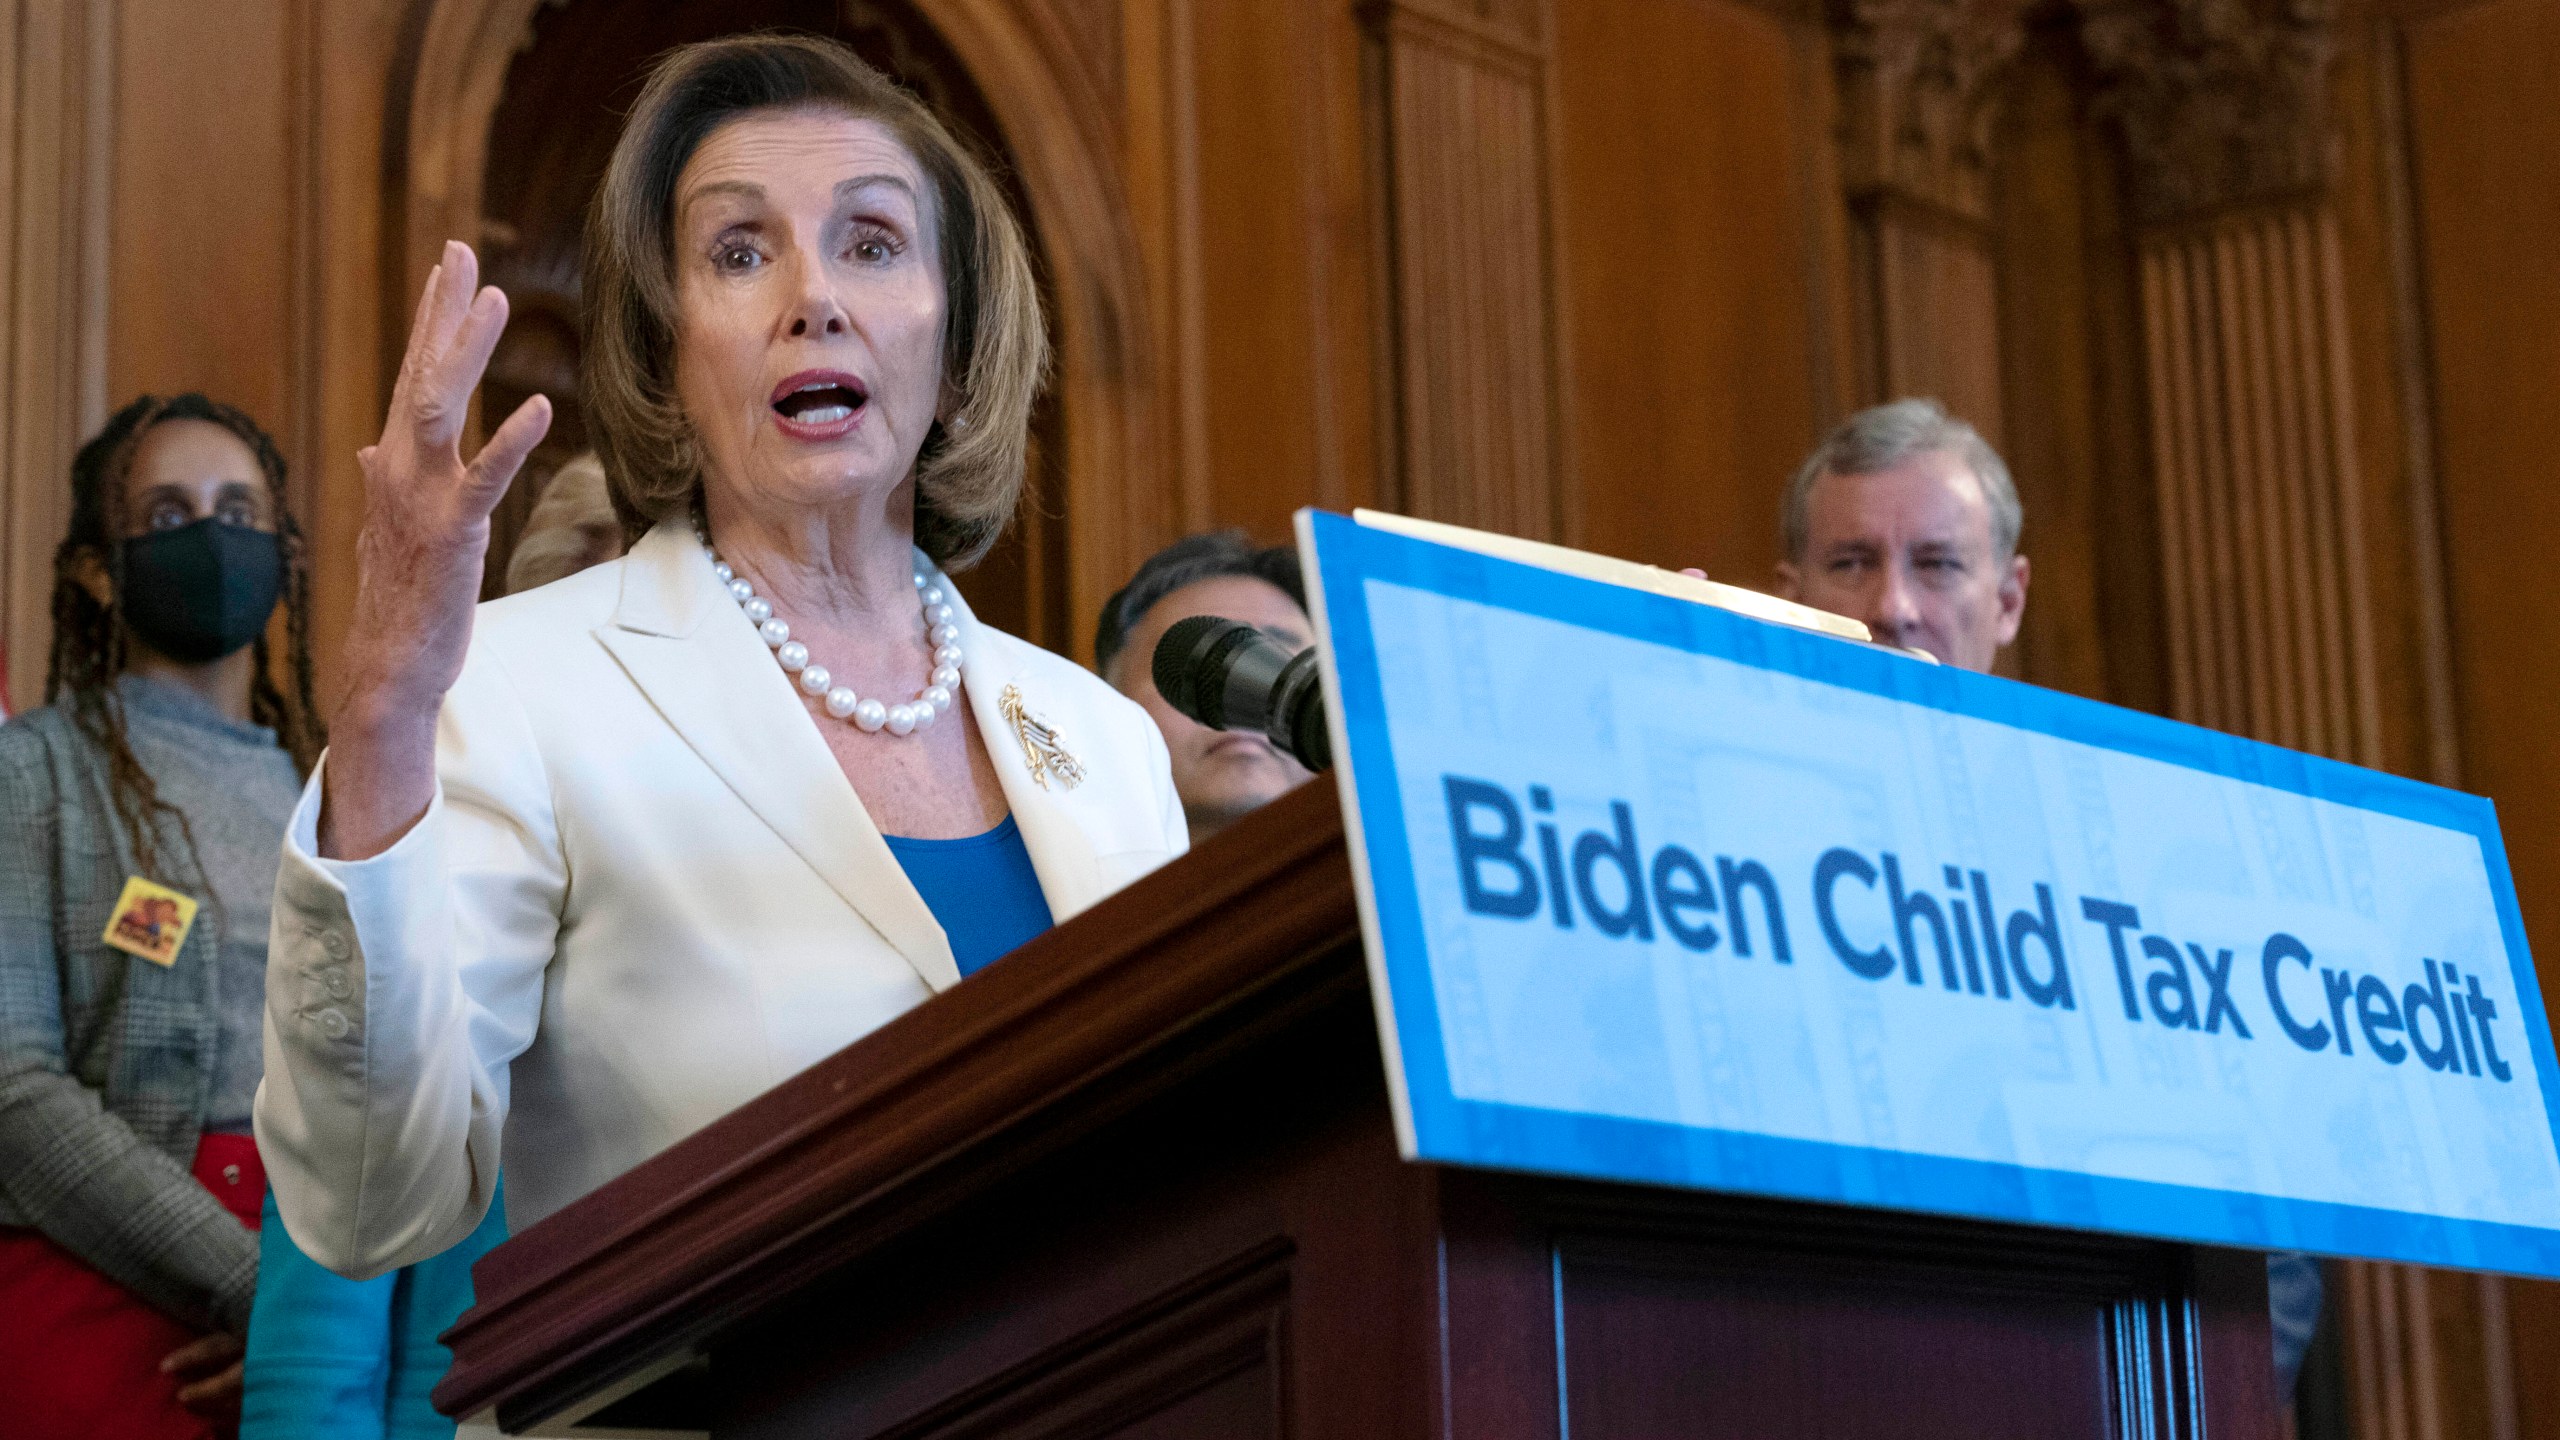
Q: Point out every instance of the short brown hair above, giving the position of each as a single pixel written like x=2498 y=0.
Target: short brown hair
x=994 y=348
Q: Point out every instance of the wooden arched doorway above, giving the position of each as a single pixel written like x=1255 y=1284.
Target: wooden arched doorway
x=510 y=111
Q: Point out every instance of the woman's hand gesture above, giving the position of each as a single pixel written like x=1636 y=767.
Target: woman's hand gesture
x=419 y=561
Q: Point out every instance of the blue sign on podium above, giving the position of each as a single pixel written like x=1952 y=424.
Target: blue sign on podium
x=1655 y=892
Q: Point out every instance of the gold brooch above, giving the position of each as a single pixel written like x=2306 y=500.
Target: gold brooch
x=1040 y=748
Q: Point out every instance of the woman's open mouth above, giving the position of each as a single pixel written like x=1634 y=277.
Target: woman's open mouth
x=819 y=405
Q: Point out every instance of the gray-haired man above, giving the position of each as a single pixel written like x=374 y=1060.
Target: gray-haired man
x=1905 y=518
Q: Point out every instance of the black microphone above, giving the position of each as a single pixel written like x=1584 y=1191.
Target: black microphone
x=1231 y=676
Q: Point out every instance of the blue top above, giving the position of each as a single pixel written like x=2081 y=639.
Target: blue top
x=981 y=888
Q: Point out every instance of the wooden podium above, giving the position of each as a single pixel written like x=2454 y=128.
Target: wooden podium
x=1140 y=1180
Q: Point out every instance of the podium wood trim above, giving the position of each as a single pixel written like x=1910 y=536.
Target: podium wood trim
x=1141 y=1179
x=1075 y=1027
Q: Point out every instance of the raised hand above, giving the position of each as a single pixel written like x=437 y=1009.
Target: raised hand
x=419 y=559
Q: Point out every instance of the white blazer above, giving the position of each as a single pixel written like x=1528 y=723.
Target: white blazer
x=643 y=894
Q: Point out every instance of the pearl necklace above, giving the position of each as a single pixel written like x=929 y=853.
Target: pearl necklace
x=841 y=702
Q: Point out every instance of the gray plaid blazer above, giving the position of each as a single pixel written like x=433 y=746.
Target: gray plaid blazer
x=103 y=1081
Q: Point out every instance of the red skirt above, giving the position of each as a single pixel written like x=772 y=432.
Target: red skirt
x=79 y=1354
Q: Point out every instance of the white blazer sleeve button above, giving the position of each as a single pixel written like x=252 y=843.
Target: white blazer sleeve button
x=332 y=1023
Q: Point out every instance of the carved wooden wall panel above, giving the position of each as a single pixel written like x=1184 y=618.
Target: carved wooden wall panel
x=2254 y=448
x=2486 y=146
x=2270 y=564
x=2484 y=151
x=2430 y=1355
x=56 y=127
x=209 y=307
x=1249 y=179
x=2269 y=605
x=345 y=51
x=1932 y=323
x=2071 y=410
x=1461 y=117
x=1920 y=86
x=1693 y=211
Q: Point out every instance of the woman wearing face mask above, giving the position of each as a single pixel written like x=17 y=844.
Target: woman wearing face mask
x=140 y=814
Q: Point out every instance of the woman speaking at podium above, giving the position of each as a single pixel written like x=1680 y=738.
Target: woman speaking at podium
x=590 y=866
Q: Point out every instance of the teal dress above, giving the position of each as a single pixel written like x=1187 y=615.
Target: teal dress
x=332 y=1359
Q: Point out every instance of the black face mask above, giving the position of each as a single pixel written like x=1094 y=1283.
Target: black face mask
x=201 y=591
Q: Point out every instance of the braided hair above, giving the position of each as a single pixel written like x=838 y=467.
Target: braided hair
x=89 y=638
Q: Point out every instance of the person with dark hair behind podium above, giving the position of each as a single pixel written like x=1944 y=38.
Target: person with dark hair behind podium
x=1222 y=775
x=1905 y=518
x=590 y=866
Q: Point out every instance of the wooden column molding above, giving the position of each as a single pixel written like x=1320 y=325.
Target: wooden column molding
x=1919 y=97
x=1459 y=132
x=1919 y=85
x=56 y=97
x=2269 y=604
x=2223 y=111
x=2221 y=107
x=2220 y=103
